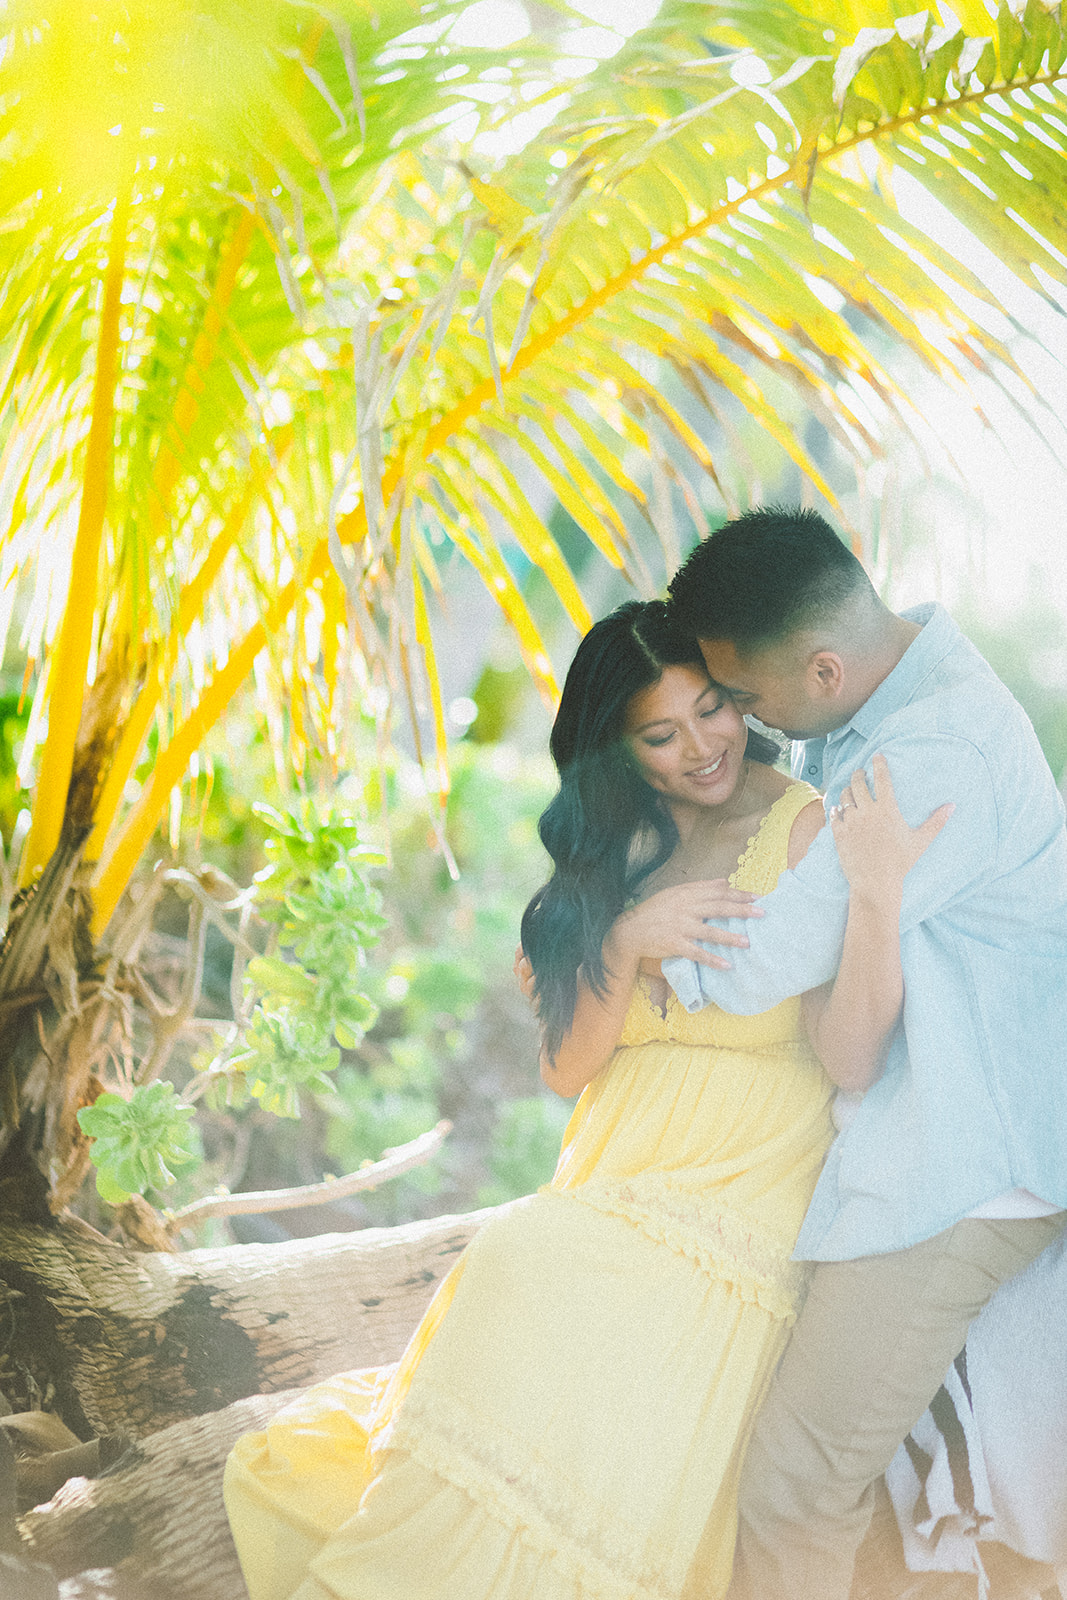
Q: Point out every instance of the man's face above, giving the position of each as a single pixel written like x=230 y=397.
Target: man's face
x=787 y=686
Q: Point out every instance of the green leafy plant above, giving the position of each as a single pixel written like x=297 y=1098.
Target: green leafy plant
x=454 y=1038
x=137 y=1141
x=303 y=1002
x=324 y=915
x=525 y=1147
x=376 y=1107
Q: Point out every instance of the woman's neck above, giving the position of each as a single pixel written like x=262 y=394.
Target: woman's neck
x=687 y=819
x=692 y=820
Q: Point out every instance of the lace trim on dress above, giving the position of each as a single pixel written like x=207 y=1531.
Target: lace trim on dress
x=769 y=844
x=754 y=1263
x=643 y=1016
x=586 y=1544
x=752 y=848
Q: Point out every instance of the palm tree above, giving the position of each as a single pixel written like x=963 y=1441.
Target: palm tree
x=190 y=236
x=257 y=361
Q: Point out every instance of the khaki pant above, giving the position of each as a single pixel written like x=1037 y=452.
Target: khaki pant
x=868 y=1353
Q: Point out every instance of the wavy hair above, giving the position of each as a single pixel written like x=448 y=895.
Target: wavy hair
x=607 y=828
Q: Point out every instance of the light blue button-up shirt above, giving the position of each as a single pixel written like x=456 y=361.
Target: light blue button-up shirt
x=973 y=1099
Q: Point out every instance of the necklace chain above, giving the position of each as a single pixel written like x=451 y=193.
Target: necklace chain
x=682 y=853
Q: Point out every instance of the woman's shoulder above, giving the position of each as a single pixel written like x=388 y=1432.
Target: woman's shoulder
x=808 y=821
x=792 y=814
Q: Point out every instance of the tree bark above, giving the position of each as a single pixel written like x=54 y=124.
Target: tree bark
x=185 y=1353
x=156 y=1521
x=115 y=1341
x=43 y=958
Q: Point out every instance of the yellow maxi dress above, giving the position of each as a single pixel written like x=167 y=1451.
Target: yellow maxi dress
x=568 y=1420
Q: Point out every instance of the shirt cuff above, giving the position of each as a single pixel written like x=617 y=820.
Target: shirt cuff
x=684 y=978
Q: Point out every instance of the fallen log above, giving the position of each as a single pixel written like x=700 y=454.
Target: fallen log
x=116 y=1341
x=184 y=1353
x=172 y=1336
x=155 y=1521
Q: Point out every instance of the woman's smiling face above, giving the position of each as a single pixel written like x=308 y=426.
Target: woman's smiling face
x=688 y=737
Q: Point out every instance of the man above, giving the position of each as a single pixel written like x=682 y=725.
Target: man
x=952 y=1174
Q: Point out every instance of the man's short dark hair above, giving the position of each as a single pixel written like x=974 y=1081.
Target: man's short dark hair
x=771 y=572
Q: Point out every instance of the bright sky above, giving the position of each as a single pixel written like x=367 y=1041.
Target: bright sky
x=498 y=23
x=1017 y=473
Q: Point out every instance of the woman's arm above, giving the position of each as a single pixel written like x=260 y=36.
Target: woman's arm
x=668 y=923
x=850 y=1020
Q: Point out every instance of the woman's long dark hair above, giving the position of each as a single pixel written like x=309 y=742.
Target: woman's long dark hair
x=604 y=806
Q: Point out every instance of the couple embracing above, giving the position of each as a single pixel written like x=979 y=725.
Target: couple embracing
x=680 y=1369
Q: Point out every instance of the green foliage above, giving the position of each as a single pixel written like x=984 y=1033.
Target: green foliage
x=337 y=287
x=443 y=968
x=325 y=915
x=727 y=213
x=363 y=1030
x=1028 y=652
x=137 y=1141
x=525 y=1147
x=14 y=715
x=283 y=1053
x=310 y=277
x=222 y=157
x=378 y=1106
x=441 y=987
x=326 y=912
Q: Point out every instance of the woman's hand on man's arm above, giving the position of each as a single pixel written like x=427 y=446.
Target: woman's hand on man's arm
x=673 y=922
x=670 y=922
x=875 y=845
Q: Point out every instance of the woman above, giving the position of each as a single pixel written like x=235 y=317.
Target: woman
x=568 y=1420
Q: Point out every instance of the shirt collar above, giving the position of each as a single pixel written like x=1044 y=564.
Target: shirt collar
x=939 y=635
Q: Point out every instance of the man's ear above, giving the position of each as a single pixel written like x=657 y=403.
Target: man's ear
x=825 y=675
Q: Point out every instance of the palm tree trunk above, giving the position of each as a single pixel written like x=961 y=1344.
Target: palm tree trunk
x=41 y=1088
